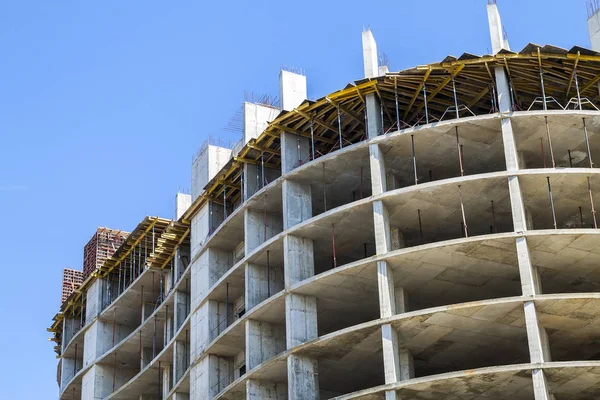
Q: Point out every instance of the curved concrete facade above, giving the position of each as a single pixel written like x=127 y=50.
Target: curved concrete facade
x=458 y=259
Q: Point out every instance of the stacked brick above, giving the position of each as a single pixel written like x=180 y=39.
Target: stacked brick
x=100 y=247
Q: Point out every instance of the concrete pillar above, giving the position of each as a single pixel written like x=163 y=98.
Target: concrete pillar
x=256 y=119
x=182 y=308
x=371 y=69
x=252 y=179
x=166 y=380
x=298 y=255
x=295 y=151
x=70 y=327
x=263 y=342
x=530 y=279
x=94 y=297
x=397 y=361
x=387 y=296
x=297 y=203
x=68 y=369
x=300 y=319
x=292 y=89
x=259 y=227
x=378 y=171
x=383 y=240
x=180 y=360
x=262 y=283
x=539 y=351
x=261 y=390
x=370 y=57
x=208 y=163
x=210 y=376
x=594 y=30
x=496 y=31
x=206 y=270
x=96 y=383
x=303 y=379
x=183 y=201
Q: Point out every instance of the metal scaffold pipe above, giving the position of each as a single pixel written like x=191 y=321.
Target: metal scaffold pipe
x=551 y=202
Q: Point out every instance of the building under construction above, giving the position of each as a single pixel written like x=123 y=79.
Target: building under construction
x=423 y=234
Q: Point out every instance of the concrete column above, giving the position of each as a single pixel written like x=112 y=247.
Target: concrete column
x=182 y=261
x=292 y=89
x=166 y=380
x=262 y=283
x=68 y=369
x=70 y=327
x=210 y=376
x=539 y=351
x=180 y=360
x=96 y=383
x=297 y=203
x=298 y=255
x=206 y=270
x=371 y=69
x=94 y=296
x=252 y=180
x=530 y=279
x=383 y=242
x=183 y=201
x=303 y=379
x=392 y=300
x=397 y=361
x=378 y=171
x=300 y=319
x=295 y=151
x=594 y=31
x=260 y=390
x=259 y=227
x=182 y=306
x=263 y=342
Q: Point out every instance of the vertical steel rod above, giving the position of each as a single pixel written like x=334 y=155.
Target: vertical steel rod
x=455 y=98
x=462 y=209
x=550 y=142
x=226 y=304
x=570 y=159
x=324 y=189
x=412 y=138
x=543 y=88
x=581 y=216
x=397 y=107
x=420 y=225
x=462 y=171
x=339 y=119
x=333 y=245
x=495 y=225
x=551 y=202
x=592 y=203
x=587 y=143
x=577 y=87
x=361 y=182
x=262 y=164
x=312 y=139
x=425 y=102
x=268 y=276
x=543 y=153
x=225 y=203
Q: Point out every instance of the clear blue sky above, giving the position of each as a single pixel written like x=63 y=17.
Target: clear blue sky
x=91 y=90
